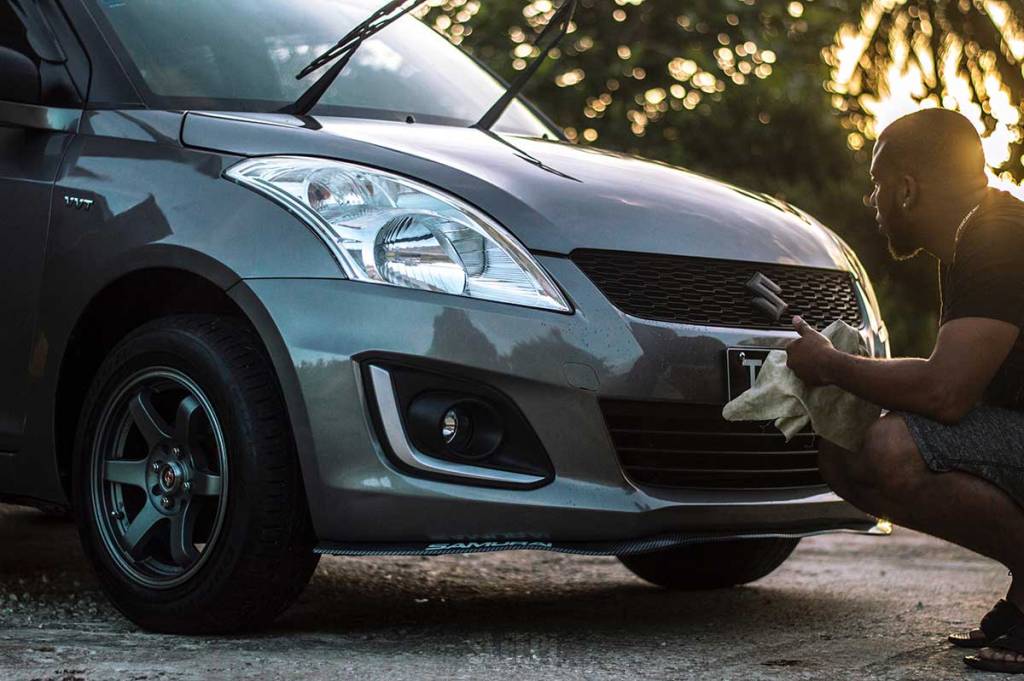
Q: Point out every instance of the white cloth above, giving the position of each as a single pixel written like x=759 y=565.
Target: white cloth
x=779 y=395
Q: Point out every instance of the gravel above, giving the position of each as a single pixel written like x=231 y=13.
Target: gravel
x=843 y=606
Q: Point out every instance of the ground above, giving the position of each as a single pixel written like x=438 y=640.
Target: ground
x=842 y=607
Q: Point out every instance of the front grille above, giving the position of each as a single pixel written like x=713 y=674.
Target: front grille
x=665 y=444
x=713 y=292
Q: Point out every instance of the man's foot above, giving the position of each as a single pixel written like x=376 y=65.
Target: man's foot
x=999 y=620
x=997 y=660
x=1005 y=654
x=975 y=638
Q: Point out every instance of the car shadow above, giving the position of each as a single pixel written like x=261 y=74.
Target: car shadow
x=494 y=598
x=576 y=597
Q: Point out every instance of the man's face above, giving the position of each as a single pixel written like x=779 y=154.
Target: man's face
x=886 y=198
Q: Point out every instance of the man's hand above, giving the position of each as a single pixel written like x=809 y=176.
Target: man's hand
x=809 y=355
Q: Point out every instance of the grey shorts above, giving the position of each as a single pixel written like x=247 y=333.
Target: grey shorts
x=987 y=443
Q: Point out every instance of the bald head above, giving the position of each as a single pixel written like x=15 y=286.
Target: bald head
x=934 y=146
x=928 y=171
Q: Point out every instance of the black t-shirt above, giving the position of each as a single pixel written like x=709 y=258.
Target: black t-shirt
x=986 y=279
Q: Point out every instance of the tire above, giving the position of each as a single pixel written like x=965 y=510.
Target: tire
x=711 y=566
x=196 y=397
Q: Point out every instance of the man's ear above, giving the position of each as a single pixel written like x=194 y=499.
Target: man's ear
x=908 y=192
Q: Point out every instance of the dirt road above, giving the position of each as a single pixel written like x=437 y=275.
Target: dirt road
x=842 y=607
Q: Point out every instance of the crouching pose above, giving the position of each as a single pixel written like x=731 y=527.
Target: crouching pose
x=948 y=457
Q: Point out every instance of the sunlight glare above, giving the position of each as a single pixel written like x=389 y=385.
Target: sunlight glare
x=872 y=88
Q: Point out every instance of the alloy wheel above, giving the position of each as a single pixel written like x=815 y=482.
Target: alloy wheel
x=159 y=477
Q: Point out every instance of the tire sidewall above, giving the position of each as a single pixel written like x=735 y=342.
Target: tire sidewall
x=180 y=350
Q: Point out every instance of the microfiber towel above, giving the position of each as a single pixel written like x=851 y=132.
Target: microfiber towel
x=779 y=395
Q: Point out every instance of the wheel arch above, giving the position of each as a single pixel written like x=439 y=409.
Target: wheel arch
x=118 y=308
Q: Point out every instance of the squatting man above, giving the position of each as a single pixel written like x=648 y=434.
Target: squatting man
x=948 y=456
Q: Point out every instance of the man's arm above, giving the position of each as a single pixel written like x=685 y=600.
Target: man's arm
x=944 y=387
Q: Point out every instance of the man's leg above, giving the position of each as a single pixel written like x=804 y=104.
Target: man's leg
x=888 y=478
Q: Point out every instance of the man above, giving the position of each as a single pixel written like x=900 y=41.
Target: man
x=948 y=457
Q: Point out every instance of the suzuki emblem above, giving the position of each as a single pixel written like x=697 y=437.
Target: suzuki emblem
x=766 y=296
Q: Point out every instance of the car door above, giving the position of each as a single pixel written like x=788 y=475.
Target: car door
x=38 y=115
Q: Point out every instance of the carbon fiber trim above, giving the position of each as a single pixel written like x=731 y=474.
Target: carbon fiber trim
x=612 y=548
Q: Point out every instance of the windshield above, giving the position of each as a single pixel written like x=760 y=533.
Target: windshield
x=242 y=55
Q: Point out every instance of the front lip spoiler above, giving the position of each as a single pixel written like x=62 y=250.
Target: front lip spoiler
x=624 y=547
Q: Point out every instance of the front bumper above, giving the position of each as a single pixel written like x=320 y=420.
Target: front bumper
x=554 y=367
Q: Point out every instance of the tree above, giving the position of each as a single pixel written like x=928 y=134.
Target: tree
x=634 y=75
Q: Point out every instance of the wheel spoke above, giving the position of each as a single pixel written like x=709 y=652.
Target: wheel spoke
x=183 y=549
x=207 y=485
x=140 y=531
x=184 y=420
x=152 y=426
x=125 y=472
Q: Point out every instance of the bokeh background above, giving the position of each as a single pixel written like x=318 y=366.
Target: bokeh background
x=780 y=96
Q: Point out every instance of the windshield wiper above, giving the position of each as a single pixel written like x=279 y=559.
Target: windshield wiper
x=554 y=32
x=343 y=51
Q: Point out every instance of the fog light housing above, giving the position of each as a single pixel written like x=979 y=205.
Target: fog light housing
x=456 y=425
x=435 y=423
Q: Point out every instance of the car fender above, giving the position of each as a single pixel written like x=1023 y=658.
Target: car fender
x=129 y=199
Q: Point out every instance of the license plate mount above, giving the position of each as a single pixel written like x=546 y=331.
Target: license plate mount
x=742 y=366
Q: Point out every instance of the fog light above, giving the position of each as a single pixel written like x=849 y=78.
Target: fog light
x=450 y=426
x=458 y=426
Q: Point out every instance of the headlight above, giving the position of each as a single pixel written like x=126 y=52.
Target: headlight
x=387 y=229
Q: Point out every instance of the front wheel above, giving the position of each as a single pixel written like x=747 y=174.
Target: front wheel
x=712 y=565
x=188 y=495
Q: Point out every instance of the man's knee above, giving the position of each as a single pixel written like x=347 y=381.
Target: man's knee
x=891 y=462
x=888 y=464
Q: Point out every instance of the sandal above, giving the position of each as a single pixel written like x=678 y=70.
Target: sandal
x=1011 y=642
x=999 y=620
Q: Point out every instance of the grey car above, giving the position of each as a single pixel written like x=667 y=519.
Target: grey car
x=238 y=336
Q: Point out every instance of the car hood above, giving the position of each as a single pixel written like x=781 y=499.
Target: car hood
x=555 y=197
